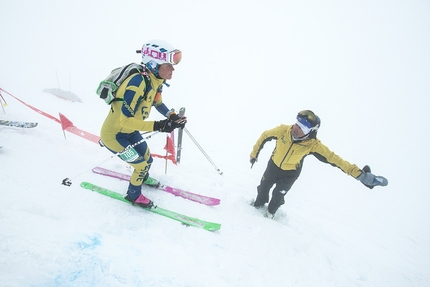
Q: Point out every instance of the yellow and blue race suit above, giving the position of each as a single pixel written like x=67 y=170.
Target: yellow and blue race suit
x=128 y=116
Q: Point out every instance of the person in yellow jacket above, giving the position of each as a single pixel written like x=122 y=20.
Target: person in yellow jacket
x=293 y=144
x=128 y=116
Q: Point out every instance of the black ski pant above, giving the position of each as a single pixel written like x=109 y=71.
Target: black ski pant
x=283 y=181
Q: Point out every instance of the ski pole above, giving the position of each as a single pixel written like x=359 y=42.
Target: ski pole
x=201 y=149
x=68 y=181
x=133 y=145
x=180 y=132
x=5 y=104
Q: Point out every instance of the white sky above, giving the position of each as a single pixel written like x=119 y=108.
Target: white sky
x=362 y=66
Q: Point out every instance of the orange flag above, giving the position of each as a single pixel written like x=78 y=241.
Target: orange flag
x=170 y=151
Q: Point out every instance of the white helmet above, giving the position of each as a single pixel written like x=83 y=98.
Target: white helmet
x=157 y=52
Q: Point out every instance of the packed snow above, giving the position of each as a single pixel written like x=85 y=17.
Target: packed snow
x=65 y=95
x=362 y=67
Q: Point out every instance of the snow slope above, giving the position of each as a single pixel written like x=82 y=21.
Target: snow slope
x=333 y=234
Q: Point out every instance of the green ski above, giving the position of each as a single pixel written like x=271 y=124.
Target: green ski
x=187 y=220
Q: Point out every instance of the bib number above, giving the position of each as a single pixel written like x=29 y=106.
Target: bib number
x=129 y=155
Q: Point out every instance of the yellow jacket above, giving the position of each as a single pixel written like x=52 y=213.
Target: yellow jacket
x=130 y=114
x=289 y=155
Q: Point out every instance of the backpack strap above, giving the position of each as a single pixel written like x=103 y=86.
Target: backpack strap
x=147 y=80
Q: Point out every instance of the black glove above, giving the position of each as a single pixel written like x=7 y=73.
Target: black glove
x=166 y=126
x=177 y=120
x=252 y=160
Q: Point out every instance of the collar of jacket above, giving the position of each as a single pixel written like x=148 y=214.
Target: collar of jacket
x=155 y=82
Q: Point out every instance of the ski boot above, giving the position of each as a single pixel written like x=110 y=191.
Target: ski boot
x=141 y=201
x=151 y=182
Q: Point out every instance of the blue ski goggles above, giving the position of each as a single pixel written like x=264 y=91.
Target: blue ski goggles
x=307 y=121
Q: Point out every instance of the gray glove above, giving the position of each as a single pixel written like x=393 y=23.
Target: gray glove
x=370 y=180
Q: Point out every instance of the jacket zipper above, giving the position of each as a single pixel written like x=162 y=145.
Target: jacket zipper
x=282 y=161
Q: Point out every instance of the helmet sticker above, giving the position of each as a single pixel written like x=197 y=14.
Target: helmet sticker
x=158 y=55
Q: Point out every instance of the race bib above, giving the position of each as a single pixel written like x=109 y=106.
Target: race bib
x=129 y=154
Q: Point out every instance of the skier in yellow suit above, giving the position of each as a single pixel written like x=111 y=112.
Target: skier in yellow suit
x=128 y=116
x=293 y=144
